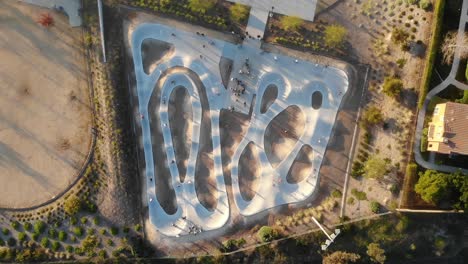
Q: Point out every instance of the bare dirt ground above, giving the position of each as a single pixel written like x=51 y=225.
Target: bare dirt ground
x=269 y=96
x=44 y=105
x=164 y=190
x=153 y=52
x=180 y=122
x=282 y=133
x=249 y=171
x=302 y=165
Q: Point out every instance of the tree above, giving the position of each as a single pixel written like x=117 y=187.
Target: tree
x=341 y=257
x=450 y=45
x=433 y=186
x=239 y=12
x=266 y=234
x=399 y=36
x=72 y=205
x=375 y=168
x=39 y=227
x=392 y=86
x=376 y=253
x=372 y=116
x=335 y=36
x=292 y=23
x=201 y=5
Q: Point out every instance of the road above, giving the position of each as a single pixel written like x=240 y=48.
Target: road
x=442 y=86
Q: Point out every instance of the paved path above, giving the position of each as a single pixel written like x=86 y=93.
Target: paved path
x=70 y=7
x=442 y=86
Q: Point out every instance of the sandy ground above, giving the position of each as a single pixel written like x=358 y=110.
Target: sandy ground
x=154 y=52
x=44 y=106
x=302 y=165
x=249 y=171
x=164 y=190
x=282 y=134
x=180 y=122
x=270 y=95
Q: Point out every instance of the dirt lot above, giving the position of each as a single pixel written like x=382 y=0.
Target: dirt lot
x=44 y=106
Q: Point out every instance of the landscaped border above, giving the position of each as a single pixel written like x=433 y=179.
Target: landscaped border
x=432 y=51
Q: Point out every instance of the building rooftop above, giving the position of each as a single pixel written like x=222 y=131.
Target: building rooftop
x=448 y=131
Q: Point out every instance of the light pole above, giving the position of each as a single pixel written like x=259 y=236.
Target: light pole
x=331 y=237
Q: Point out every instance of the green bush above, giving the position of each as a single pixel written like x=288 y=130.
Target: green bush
x=96 y=220
x=62 y=236
x=5 y=231
x=375 y=168
x=401 y=63
x=335 y=36
x=55 y=246
x=73 y=220
x=424 y=139
x=69 y=249
x=39 y=227
x=433 y=186
x=432 y=50
x=239 y=12
x=72 y=205
x=114 y=230
x=52 y=233
x=392 y=86
x=45 y=242
x=201 y=5
x=27 y=226
x=15 y=225
x=78 y=231
x=375 y=207
x=361 y=196
x=102 y=254
x=126 y=229
x=336 y=193
x=35 y=236
x=425 y=4
x=267 y=234
x=22 y=236
x=84 y=220
x=2 y=243
x=372 y=116
x=291 y=23
x=138 y=227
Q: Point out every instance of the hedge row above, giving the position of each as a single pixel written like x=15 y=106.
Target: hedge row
x=408 y=183
x=432 y=51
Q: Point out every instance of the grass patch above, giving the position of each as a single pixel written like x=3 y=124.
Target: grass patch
x=411 y=177
x=361 y=196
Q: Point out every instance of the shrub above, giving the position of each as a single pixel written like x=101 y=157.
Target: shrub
x=35 y=236
x=401 y=62
x=424 y=139
x=336 y=193
x=39 y=227
x=2 y=243
x=90 y=243
x=11 y=242
x=27 y=226
x=375 y=168
x=62 y=236
x=126 y=229
x=399 y=36
x=239 y=12
x=138 y=227
x=45 y=242
x=335 y=36
x=114 y=230
x=201 y=5
x=15 y=225
x=72 y=205
x=55 y=246
x=96 y=220
x=372 y=116
x=392 y=86
x=5 y=231
x=22 y=236
x=361 y=196
x=425 y=4
x=73 y=220
x=52 y=233
x=78 y=231
x=84 y=220
x=102 y=254
x=267 y=234
x=69 y=249
x=375 y=207
x=432 y=186
x=291 y=23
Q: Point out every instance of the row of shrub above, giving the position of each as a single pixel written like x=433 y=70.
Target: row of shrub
x=432 y=51
x=300 y=42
